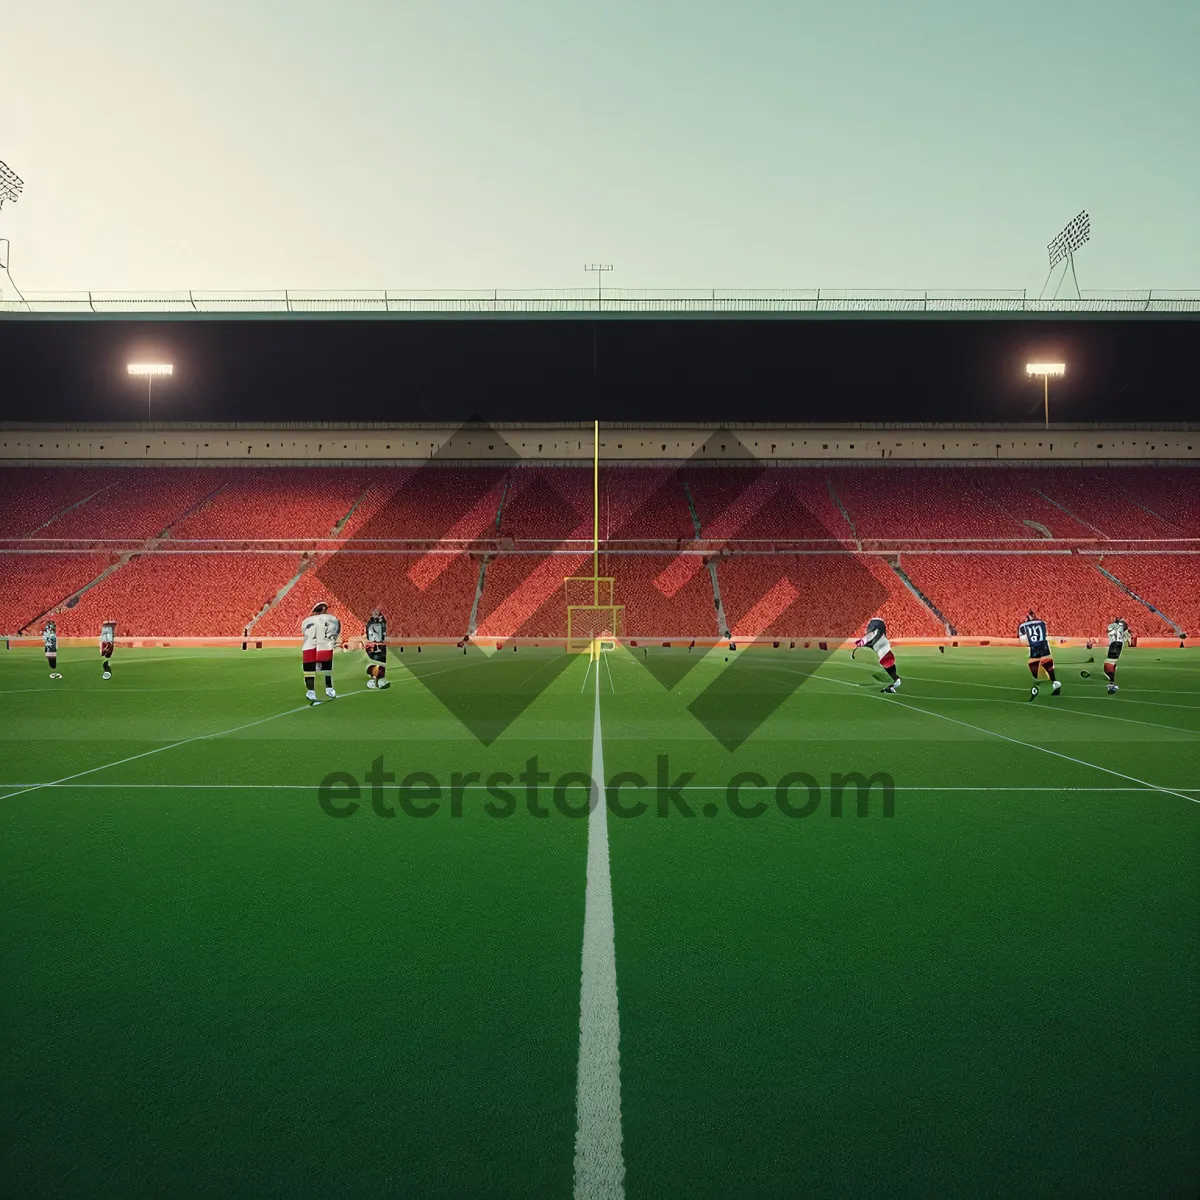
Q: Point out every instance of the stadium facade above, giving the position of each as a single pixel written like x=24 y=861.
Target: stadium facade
x=367 y=443
x=757 y=531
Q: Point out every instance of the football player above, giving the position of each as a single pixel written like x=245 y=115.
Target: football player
x=108 y=635
x=1118 y=636
x=50 y=645
x=876 y=639
x=320 y=631
x=1033 y=632
x=376 y=648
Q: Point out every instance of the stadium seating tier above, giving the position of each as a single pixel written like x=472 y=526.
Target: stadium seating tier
x=74 y=512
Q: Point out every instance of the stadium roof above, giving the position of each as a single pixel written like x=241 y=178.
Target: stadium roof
x=614 y=302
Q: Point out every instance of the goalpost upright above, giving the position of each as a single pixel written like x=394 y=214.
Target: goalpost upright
x=596 y=511
x=593 y=616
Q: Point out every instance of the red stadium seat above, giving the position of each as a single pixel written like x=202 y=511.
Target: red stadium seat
x=211 y=550
x=1170 y=582
x=988 y=595
x=35 y=583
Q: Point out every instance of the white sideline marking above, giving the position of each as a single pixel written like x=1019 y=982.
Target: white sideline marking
x=1060 y=667
x=481 y=787
x=1074 y=712
x=1005 y=688
x=202 y=737
x=1058 y=707
x=599 y=1161
x=1045 y=750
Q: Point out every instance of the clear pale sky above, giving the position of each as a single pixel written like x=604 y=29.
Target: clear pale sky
x=504 y=143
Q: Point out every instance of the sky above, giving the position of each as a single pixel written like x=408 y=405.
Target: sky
x=452 y=144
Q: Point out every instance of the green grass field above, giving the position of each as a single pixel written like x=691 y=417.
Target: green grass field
x=212 y=987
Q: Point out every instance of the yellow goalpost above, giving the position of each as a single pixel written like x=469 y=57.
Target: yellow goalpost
x=594 y=618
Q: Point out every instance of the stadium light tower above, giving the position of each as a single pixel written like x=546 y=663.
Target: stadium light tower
x=150 y=372
x=11 y=186
x=1063 y=247
x=599 y=268
x=1045 y=371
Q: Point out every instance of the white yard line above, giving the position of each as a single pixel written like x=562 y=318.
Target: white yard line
x=202 y=737
x=480 y=787
x=895 y=699
x=1045 y=750
x=1057 y=706
x=1059 y=667
x=599 y=1159
x=862 y=690
x=147 y=753
x=608 y=670
x=35 y=787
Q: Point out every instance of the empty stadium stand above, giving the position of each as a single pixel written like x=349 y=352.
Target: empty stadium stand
x=523 y=595
x=180 y=595
x=818 y=594
x=798 y=551
x=755 y=503
x=1169 y=582
x=34 y=496
x=37 y=583
x=922 y=502
x=275 y=502
x=423 y=595
x=431 y=502
x=988 y=594
x=1170 y=493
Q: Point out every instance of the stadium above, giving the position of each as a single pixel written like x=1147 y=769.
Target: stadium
x=645 y=876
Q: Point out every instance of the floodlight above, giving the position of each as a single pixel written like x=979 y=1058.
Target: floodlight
x=1046 y=371
x=10 y=184
x=1072 y=236
x=150 y=372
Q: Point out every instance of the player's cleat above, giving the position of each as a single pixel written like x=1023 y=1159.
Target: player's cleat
x=331 y=693
x=371 y=684
x=1056 y=688
x=311 y=697
x=1112 y=687
x=55 y=675
x=384 y=683
x=891 y=687
x=106 y=675
x=1033 y=693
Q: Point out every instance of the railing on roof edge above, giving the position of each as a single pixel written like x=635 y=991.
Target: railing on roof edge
x=614 y=300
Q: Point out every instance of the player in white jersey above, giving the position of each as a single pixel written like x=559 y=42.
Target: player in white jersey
x=320 y=631
x=1118 y=636
x=50 y=645
x=375 y=644
x=876 y=639
x=108 y=636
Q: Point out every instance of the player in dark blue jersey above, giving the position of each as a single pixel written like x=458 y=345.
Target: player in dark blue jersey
x=1033 y=632
x=375 y=644
x=50 y=645
x=108 y=637
x=1118 y=637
